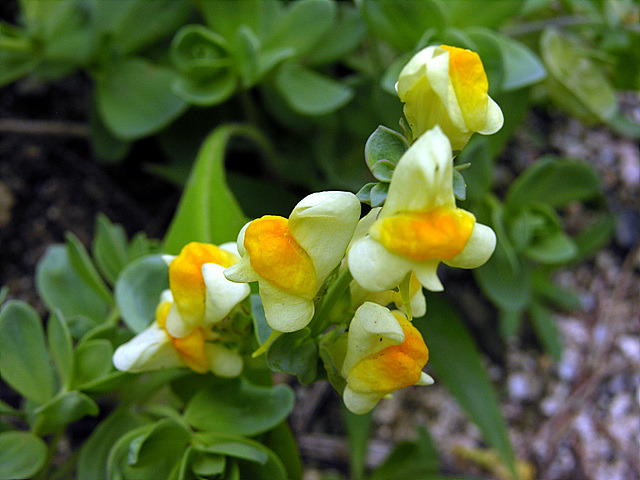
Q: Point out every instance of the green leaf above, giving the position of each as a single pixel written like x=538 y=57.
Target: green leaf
x=226 y=18
x=459 y=185
x=549 y=291
x=595 y=236
x=301 y=25
x=135 y=98
x=401 y=23
x=384 y=144
x=382 y=170
x=410 y=460
x=208 y=212
x=308 y=92
x=464 y=376
x=546 y=330
x=261 y=328
x=554 y=181
x=378 y=194
x=92 y=462
x=85 y=268
x=295 y=353
x=138 y=288
x=282 y=442
x=466 y=13
x=22 y=455
x=109 y=248
x=552 y=249
x=24 y=360
x=358 y=430
x=61 y=347
x=92 y=361
x=61 y=288
x=108 y=148
x=60 y=411
x=240 y=408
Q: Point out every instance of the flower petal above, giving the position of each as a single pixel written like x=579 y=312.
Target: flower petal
x=223 y=362
x=222 y=295
x=285 y=312
x=478 y=250
x=151 y=349
x=374 y=267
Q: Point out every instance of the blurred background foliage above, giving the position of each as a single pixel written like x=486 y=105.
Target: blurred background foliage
x=292 y=91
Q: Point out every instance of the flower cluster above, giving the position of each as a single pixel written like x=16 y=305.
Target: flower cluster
x=386 y=257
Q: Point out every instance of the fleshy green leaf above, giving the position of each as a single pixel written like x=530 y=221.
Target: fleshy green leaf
x=22 y=455
x=384 y=144
x=410 y=460
x=295 y=353
x=24 y=360
x=85 y=268
x=379 y=194
x=466 y=13
x=92 y=361
x=208 y=212
x=282 y=442
x=135 y=99
x=60 y=346
x=464 y=375
x=62 y=410
x=358 y=431
x=109 y=248
x=383 y=170
x=60 y=287
x=138 y=289
x=546 y=330
x=308 y=92
x=240 y=408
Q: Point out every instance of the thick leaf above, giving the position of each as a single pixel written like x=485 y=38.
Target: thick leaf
x=552 y=249
x=207 y=211
x=85 y=268
x=109 y=248
x=240 y=408
x=595 y=236
x=457 y=363
x=138 y=289
x=92 y=463
x=384 y=144
x=92 y=361
x=466 y=13
x=61 y=347
x=282 y=442
x=135 y=98
x=60 y=287
x=358 y=431
x=62 y=410
x=24 y=360
x=308 y=92
x=226 y=18
x=295 y=353
x=410 y=460
x=22 y=454
x=546 y=330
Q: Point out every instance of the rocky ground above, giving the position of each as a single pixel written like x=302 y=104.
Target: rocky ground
x=579 y=419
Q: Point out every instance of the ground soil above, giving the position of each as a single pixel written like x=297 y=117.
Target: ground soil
x=579 y=419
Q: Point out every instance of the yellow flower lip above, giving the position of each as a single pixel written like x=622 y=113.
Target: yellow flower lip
x=277 y=257
x=394 y=367
x=439 y=234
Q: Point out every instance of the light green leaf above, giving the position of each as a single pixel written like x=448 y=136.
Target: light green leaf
x=22 y=455
x=226 y=18
x=546 y=330
x=135 y=99
x=240 y=408
x=92 y=361
x=61 y=347
x=552 y=248
x=60 y=411
x=308 y=92
x=595 y=236
x=282 y=442
x=384 y=144
x=24 y=360
x=61 y=288
x=85 y=268
x=109 y=248
x=208 y=212
x=464 y=375
x=138 y=288
x=358 y=431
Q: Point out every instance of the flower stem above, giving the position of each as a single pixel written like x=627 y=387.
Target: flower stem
x=323 y=316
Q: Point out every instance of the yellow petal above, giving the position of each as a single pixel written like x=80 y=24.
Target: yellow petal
x=439 y=234
x=186 y=281
x=278 y=258
x=470 y=84
x=393 y=368
x=192 y=350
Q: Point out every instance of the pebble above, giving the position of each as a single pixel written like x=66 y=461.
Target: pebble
x=629 y=164
x=630 y=347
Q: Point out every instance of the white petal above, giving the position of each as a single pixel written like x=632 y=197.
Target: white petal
x=166 y=296
x=177 y=325
x=231 y=247
x=222 y=294
x=374 y=267
x=241 y=272
x=414 y=70
x=478 y=249
x=425 y=380
x=151 y=349
x=223 y=362
x=323 y=224
x=495 y=119
x=360 y=403
x=418 y=304
x=427 y=273
x=285 y=312
x=167 y=259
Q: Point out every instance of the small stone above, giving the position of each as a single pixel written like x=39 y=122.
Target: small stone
x=630 y=347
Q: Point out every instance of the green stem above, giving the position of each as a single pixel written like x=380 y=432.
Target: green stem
x=16 y=45
x=322 y=318
x=113 y=317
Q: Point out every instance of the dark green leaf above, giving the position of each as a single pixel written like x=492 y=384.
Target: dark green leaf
x=61 y=347
x=22 y=455
x=282 y=442
x=384 y=144
x=549 y=291
x=238 y=407
x=85 y=268
x=261 y=328
x=206 y=92
x=138 y=289
x=200 y=53
x=464 y=375
x=595 y=236
x=108 y=148
x=546 y=330
x=92 y=361
x=295 y=353
x=24 y=360
x=410 y=460
x=553 y=248
x=135 y=99
x=208 y=212
x=358 y=430
x=60 y=411
x=226 y=18
x=61 y=288
x=308 y=92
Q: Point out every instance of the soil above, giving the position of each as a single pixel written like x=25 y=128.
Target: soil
x=579 y=419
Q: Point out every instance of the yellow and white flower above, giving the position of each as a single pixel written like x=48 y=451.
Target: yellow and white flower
x=202 y=296
x=419 y=225
x=385 y=353
x=447 y=86
x=291 y=258
x=155 y=348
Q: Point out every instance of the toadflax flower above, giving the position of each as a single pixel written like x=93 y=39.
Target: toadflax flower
x=202 y=296
x=155 y=348
x=291 y=258
x=419 y=225
x=385 y=353
x=448 y=86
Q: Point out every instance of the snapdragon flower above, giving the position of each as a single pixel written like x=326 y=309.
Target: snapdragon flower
x=291 y=258
x=419 y=225
x=155 y=348
x=447 y=86
x=385 y=353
